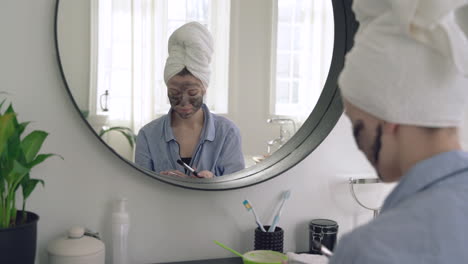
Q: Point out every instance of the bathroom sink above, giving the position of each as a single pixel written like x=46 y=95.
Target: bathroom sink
x=251 y=160
x=97 y=121
x=260 y=158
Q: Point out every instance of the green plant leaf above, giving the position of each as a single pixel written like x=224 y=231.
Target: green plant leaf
x=19 y=127
x=16 y=175
x=7 y=129
x=13 y=215
x=128 y=137
x=125 y=131
x=25 y=179
x=29 y=186
x=32 y=143
x=22 y=127
x=119 y=128
x=14 y=141
x=1 y=104
x=2 y=189
x=40 y=158
x=84 y=113
x=14 y=151
x=10 y=110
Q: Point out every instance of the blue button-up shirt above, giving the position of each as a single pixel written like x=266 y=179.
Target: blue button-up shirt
x=219 y=149
x=423 y=220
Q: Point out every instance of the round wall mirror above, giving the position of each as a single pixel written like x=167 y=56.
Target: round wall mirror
x=274 y=74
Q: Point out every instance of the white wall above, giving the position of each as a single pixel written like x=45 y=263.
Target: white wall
x=168 y=223
x=75 y=49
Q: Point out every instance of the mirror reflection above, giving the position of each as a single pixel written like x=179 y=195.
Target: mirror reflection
x=270 y=61
x=189 y=135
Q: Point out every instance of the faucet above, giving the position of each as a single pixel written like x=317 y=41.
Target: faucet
x=282 y=121
x=273 y=142
x=284 y=133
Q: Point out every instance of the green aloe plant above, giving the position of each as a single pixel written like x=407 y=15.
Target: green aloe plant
x=125 y=131
x=18 y=155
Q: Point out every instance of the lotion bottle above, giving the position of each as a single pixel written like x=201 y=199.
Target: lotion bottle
x=120 y=226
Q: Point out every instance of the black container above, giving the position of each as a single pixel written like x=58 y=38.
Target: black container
x=18 y=244
x=323 y=231
x=269 y=240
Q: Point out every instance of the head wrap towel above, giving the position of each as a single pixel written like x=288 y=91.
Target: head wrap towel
x=191 y=47
x=409 y=63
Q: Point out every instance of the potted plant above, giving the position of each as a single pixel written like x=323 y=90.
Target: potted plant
x=18 y=155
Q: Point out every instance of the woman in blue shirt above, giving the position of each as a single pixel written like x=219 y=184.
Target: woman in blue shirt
x=209 y=143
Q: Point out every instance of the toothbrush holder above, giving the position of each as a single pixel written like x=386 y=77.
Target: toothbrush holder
x=269 y=240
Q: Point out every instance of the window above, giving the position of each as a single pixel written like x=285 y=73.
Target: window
x=302 y=55
x=129 y=51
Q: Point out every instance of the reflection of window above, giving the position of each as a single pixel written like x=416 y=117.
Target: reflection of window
x=129 y=51
x=304 y=44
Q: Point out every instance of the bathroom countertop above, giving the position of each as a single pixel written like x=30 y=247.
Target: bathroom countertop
x=235 y=260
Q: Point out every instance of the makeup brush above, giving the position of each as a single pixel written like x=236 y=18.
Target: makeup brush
x=183 y=164
x=324 y=250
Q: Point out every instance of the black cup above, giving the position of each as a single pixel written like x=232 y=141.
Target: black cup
x=269 y=240
x=323 y=231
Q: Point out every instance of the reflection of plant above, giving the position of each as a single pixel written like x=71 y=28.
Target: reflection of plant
x=17 y=157
x=127 y=132
x=85 y=113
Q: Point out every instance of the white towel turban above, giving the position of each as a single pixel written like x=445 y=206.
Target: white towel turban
x=409 y=63
x=191 y=47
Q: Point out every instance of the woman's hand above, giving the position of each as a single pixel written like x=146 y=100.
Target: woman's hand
x=174 y=173
x=202 y=174
x=205 y=174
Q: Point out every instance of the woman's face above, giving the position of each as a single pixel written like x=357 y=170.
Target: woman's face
x=185 y=95
x=376 y=142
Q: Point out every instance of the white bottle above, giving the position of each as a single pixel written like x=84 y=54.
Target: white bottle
x=120 y=226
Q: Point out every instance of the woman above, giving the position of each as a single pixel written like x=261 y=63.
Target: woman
x=208 y=143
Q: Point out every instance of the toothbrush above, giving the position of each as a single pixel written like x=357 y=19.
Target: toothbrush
x=277 y=216
x=250 y=208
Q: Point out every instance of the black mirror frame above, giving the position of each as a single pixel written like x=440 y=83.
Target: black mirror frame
x=315 y=129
